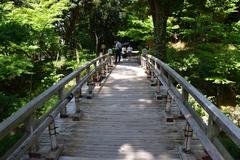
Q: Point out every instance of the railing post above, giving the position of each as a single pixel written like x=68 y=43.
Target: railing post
x=78 y=112
x=154 y=78
x=102 y=68
x=110 y=53
x=143 y=62
x=52 y=134
x=155 y=65
x=56 y=148
x=97 y=79
x=188 y=132
x=106 y=66
x=78 y=94
x=148 y=68
x=110 y=64
x=29 y=123
x=169 y=98
x=90 y=85
x=103 y=71
x=185 y=96
x=110 y=61
x=63 y=112
x=168 y=104
x=212 y=129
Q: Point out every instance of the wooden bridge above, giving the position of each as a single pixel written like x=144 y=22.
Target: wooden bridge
x=126 y=112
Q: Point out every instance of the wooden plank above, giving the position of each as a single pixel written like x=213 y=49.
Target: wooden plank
x=28 y=109
x=14 y=120
x=210 y=148
x=113 y=120
x=223 y=121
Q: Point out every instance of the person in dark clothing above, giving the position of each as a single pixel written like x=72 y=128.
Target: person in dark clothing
x=118 y=47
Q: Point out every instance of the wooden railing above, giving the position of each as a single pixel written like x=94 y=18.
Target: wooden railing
x=32 y=127
x=179 y=90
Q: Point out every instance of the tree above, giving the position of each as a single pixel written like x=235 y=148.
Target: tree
x=160 y=11
x=29 y=41
x=138 y=26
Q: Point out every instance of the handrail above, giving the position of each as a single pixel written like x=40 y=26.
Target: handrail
x=220 y=121
x=27 y=110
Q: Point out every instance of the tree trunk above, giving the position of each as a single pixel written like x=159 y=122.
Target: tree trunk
x=70 y=25
x=160 y=17
x=97 y=43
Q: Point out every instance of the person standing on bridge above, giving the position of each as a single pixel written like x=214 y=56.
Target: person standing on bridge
x=118 y=47
x=129 y=52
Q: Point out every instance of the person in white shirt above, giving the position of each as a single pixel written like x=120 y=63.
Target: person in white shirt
x=124 y=52
x=129 y=51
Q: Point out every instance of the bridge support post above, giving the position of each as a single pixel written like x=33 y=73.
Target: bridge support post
x=169 y=115
x=169 y=98
x=161 y=92
x=97 y=77
x=52 y=134
x=143 y=62
x=63 y=112
x=212 y=130
x=188 y=133
x=78 y=113
x=168 y=104
x=104 y=69
x=110 y=64
x=147 y=70
x=91 y=86
x=29 y=129
x=56 y=148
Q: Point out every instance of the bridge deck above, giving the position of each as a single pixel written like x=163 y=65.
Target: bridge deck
x=122 y=121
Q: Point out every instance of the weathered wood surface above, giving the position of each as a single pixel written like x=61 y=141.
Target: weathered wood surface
x=122 y=121
x=207 y=132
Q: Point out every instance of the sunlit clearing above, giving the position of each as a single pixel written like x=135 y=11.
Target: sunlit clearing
x=178 y=46
x=130 y=153
x=231 y=47
x=135 y=69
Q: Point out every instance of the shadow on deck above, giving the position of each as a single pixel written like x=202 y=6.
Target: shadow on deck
x=124 y=121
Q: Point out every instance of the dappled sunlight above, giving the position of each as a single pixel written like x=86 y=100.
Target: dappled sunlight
x=149 y=101
x=231 y=47
x=120 y=88
x=130 y=153
x=179 y=45
x=139 y=106
x=128 y=72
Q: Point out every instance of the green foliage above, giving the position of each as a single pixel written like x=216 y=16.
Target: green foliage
x=212 y=62
x=8 y=141
x=47 y=106
x=28 y=37
x=40 y=16
x=9 y=104
x=138 y=30
x=42 y=41
x=14 y=66
x=36 y=21
x=231 y=147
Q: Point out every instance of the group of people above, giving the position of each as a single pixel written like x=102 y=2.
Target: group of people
x=122 y=51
